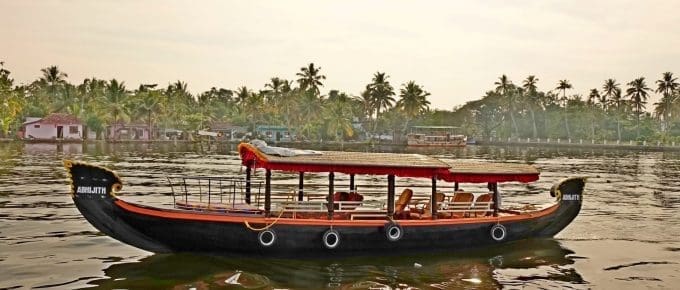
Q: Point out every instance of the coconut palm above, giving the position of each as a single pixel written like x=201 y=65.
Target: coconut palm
x=611 y=97
x=531 y=97
x=608 y=90
x=381 y=92
x=564 y=85
x=149 y=105
x=638 y=92
x=593 y=98
x=116 y=98
x=310 y=79
x=666 y=86
x=53 y=79
x=274 y=90
x=413 y=101
x=338 y=117
x=309 y=109
x=505 y=87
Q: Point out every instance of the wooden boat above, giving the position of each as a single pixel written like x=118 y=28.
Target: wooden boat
x=242 y=216
x=435 y=136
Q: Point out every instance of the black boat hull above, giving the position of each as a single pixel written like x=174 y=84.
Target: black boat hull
x=166 y=230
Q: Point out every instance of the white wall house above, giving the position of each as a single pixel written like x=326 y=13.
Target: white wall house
x=53 y=127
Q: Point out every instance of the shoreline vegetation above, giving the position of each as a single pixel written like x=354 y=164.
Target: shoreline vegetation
x=507 y=111
x=583 y=144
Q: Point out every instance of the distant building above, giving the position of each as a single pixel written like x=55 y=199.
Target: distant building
x=272 y=133
x=227 y=131
x=55 y=126
x=131 y=131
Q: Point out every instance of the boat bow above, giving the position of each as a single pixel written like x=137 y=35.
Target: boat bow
x=92 y=190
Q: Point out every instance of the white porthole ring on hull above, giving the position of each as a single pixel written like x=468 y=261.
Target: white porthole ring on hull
x=498 y=232
x=331 y=239
x=266 y=238
x=394 y=232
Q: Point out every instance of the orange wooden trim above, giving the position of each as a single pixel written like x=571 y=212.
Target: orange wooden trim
x=177 y=215
x=253 y=149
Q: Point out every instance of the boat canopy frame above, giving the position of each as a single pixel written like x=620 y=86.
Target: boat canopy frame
x=390 y=164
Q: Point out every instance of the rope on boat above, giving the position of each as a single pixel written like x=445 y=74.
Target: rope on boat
x=247 y=224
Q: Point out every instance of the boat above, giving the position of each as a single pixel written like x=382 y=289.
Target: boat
x=242 y=216
x=435 y=136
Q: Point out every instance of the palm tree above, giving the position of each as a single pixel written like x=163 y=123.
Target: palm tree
x=505 y=87
x=593 y=98
x=53 y=78
x=530 y=90
x=151 y=104
x=309 y=110
x=116 y=99
x=310 y=79
x=564 y=85
x=612 y=95
x=338 y=117
x=275 y=87
x=381 y=92
x=413 y=101
x=666 y=86
x=638 y=93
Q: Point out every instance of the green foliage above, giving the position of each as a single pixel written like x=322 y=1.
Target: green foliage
x=506 y=110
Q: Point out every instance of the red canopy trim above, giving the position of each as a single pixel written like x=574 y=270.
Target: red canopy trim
x=251 y=156
x=484 y=178
x=481 y=172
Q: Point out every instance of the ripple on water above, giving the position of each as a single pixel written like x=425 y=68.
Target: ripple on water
x=631 y=202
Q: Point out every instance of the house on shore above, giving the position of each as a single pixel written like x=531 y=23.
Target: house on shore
x=54 y=126
x=129 y=131
x=227 y=131
x=272 y=133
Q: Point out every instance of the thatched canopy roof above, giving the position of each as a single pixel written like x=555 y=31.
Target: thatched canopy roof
x=479 y=172
x=405 y=165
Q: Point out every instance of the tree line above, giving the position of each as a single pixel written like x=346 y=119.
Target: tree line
x=615 y=111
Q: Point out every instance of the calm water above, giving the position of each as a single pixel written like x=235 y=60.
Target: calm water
x=627 y=235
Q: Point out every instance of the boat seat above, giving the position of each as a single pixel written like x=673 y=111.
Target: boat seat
x=482 y=205
x=459 y=205
x=425 y=212
x=400 y=207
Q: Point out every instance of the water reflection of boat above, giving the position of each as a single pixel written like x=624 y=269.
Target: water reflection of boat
x=444 y=270
x=235 y=216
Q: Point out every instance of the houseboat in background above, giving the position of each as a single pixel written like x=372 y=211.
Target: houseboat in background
x=435 y=136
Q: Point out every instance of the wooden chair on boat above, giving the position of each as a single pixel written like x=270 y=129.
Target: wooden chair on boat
x=460 y=204
x=402 y=203
x=425 y=212
x=482 y=205
x=400 y=208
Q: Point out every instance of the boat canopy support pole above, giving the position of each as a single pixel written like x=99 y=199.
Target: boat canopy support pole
x=331 y=190
x=390 y=195
x=455 y=186
x=493 y=186
x=248 y=169
x=301 y=186
x=351 y=183
x=433 y=199
x=267 y=192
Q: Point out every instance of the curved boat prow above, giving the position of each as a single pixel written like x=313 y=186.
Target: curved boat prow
x=569 y=194
x=92 y=190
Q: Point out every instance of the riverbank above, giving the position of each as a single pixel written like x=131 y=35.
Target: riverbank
x=519 y=142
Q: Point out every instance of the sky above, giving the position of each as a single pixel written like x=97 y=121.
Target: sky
x=455 y=49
